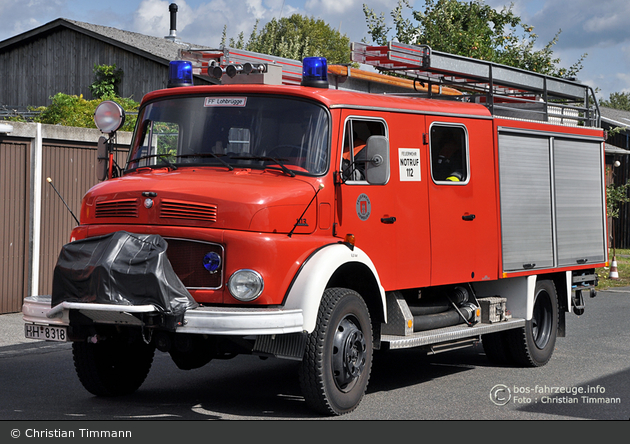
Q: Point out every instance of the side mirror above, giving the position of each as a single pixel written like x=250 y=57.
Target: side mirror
x=377 y=160
x=102 y=159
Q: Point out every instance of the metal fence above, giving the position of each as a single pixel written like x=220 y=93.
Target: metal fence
x=17 y=112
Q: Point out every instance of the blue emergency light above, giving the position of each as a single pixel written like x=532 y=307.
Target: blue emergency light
x=211 y=261
x=315 y=72
x=180 y=74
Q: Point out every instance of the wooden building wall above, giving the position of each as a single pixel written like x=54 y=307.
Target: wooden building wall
x=63 y=61
x=619 y=229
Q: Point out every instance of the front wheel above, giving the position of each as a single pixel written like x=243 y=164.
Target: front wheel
x=533 y=345
x=112 y=367
x=336 y=367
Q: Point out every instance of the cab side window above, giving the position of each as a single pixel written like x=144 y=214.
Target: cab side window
x=356 y=133
x=449 y=154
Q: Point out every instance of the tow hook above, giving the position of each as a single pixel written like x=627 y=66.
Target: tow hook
x=578 y=302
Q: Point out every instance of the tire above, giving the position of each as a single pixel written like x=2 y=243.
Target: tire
x=336 y=367
x=497 y=348
x=533 y=345
x=112 y=367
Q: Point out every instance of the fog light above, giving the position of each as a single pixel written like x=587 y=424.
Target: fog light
x=246 y=285
x=212 y=262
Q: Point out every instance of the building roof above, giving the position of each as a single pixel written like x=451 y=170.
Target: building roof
x=612 y=149
x=615 y=117
x=158 y=49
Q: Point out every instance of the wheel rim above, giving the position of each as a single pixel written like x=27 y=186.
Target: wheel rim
x=542 y=320
x=349 y=354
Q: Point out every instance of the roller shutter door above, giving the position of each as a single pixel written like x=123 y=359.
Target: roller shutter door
x=526 y=217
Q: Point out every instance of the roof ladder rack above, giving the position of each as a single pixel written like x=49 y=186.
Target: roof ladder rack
x=505 y=90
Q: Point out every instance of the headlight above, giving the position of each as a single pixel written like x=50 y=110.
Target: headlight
x=246 y=285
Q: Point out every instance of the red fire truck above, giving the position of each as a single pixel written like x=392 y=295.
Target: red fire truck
x=315 y=213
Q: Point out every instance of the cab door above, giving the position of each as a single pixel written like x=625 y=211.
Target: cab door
x=462 y=201
x=364 y=210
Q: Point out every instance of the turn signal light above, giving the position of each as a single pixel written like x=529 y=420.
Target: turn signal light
x=349 y=239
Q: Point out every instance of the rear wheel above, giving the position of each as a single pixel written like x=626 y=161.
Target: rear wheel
x=112 y=367
x=533 y=345
x=336 y=367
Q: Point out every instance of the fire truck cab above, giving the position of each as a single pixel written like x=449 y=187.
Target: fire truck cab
x=284 y=215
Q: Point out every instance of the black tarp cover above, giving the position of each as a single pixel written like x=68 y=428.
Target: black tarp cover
x=120 y=268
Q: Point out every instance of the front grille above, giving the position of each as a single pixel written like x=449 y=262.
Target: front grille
x=186 y=210
x=186 y=257
x=117 y=208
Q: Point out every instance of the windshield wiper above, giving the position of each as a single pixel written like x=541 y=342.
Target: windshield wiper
x=267 y=159
x=213 y=155
x=160 y=157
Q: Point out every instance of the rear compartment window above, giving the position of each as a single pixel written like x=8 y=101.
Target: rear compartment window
x=449 y=154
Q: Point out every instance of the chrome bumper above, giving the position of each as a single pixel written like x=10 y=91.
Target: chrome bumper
x=238 y=321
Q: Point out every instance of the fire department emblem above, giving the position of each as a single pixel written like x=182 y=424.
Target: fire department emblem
x=364 y=208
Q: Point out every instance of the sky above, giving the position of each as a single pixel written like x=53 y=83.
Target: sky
x=598 y=29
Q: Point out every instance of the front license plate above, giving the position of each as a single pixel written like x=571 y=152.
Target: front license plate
x=46 y=332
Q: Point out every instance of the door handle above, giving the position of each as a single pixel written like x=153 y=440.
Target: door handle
x=468 y=217
x=388 y=220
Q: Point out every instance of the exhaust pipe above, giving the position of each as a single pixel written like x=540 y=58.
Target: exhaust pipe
x=173 y=31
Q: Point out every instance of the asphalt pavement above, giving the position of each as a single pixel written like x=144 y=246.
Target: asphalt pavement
x=405 y=384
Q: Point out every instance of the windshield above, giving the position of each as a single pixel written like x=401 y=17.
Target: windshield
x=233 y=132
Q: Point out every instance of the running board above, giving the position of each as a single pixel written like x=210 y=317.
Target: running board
x=447 y=334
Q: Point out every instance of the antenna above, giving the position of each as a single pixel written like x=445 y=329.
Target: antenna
x=49 y=180
x=321 y=187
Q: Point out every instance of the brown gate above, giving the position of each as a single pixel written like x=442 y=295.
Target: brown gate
x=72 y=170
x=30 y=239
x=14 y=231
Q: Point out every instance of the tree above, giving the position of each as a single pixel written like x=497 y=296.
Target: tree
x=295 y=37
x=617 y=100
x=106 y=80
x=471 y=29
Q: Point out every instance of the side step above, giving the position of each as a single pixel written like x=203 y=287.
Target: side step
x=398 y=332
x=455 y=345
x=447 y=334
